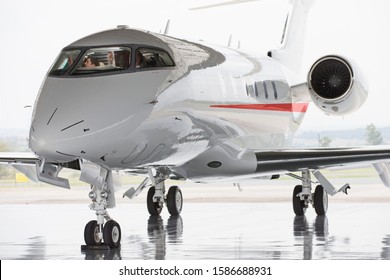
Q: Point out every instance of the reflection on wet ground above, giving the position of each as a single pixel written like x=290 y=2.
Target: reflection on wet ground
x=159 y=234
x=35 y=249
x=304 y=233
x=203 y=231
x=112 y=254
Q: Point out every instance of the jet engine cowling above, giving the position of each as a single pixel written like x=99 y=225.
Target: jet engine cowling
x=336 y=86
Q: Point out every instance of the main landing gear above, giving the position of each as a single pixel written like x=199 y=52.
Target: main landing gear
x=319 y=200
x=303 y=196
x=156 y=196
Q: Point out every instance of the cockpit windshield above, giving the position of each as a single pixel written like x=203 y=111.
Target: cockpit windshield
x=112 y=59
x=103 y=60
x=94 y=60
x=64 y=62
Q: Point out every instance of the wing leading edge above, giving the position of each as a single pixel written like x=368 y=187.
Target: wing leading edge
x=21 y=158
x=290 y=160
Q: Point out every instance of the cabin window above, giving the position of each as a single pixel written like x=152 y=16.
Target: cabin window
x=106 y=59
x=151 y=58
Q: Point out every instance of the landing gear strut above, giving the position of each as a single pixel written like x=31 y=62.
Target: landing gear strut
x=98 y=232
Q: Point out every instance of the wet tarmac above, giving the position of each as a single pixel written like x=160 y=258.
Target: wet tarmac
x=357 y=231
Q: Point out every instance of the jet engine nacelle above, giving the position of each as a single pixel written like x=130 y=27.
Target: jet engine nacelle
x=336 y=86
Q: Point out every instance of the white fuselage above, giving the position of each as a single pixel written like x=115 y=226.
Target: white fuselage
x=164 y=116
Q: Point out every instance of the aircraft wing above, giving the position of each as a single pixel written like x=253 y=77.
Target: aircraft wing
x=320 y=158
x=290 y=160
x=22 y=158
x=23 y=162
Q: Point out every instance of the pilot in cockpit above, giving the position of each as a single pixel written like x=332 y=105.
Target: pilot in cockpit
x=90 y=62
x=139 y=60
x=110 y=58
x=151 y=62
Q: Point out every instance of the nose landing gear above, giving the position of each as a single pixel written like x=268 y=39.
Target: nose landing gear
x=99 y=234
x=111 y=235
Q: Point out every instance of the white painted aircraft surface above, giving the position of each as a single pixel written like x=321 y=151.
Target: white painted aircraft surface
x=162 y=107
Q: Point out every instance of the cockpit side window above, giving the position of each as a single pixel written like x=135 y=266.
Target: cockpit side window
x=148 y=57
x=64 y=61
x=106 y=59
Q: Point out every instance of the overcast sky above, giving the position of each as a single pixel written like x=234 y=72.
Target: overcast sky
x=34 y=32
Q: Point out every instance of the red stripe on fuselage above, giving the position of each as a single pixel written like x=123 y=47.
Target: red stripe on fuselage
x=283 y=107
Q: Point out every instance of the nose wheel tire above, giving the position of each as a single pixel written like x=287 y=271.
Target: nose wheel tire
x=112 y=234
x=174 y=201
x=91 y=233
x=154 y=208
x=298 y=204
x=320 y=201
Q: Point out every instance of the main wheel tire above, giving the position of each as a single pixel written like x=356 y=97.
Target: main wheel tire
x=91 y=233
x=320 y=201
x=154 y=208
x=174 y=201
x=112 y=234
x=298 y=204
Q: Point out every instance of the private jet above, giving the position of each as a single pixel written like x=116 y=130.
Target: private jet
x=152 y=105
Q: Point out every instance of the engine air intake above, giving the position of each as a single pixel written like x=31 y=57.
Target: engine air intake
x=331 y=77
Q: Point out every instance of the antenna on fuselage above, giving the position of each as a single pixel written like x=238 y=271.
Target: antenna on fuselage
x=122 y=26
x=167 y=27
x=230 y=41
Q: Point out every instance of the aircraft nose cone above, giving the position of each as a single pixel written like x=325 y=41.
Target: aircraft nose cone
x=45 y=142
x=39 y=142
